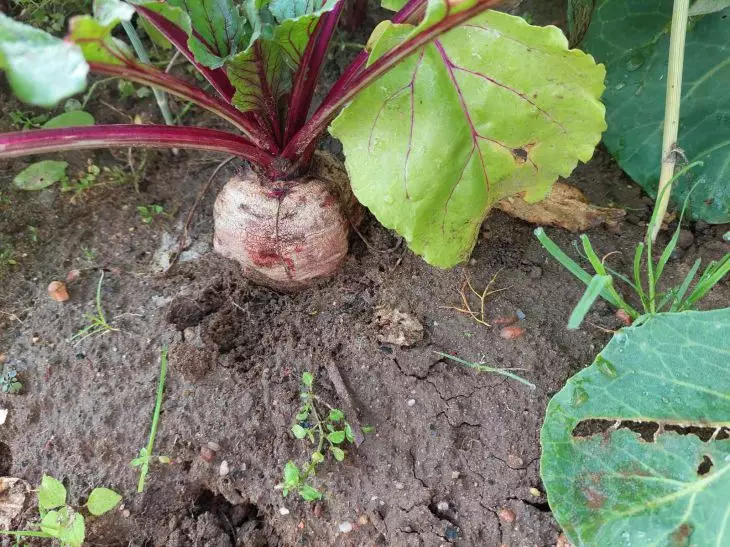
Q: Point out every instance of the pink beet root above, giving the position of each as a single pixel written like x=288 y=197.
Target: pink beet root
x=287 y=234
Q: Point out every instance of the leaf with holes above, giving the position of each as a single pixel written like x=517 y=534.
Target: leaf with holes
x=613 y=487
x=491 y=109
x=632 y=38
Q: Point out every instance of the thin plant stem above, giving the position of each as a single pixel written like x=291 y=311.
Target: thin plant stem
x=671 y=109
x=139 y=48
x=155 y=420
x=485 y=368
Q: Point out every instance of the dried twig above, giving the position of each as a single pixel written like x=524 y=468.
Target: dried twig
x=478 y=317
x=344 y=395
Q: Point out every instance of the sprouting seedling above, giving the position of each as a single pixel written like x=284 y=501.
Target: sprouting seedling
x=60 y=521
x=148 y=213
x=142 y=461
x=481 y=367
x=9 y=382
x=644 y=281
x=97 y=322
x=327 y=433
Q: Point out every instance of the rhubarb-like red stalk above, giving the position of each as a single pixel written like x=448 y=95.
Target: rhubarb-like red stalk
x=24 y=143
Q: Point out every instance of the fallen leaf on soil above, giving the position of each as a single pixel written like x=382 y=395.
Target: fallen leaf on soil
x=58 y=291
x=13 y=495
x=566 y=207
x=398 y=328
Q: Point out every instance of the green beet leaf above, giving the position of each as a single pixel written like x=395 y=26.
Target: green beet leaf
x=102 y=500
x=613 y=487
x=40 y=175
x=491 y=109
x=262 y=73
x=632 y=38
x=41 y=69
x=66 y=525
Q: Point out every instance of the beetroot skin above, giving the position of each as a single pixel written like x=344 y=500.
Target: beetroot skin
x=287 y=234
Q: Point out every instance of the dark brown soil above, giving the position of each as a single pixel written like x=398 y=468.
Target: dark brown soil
x=450 y=447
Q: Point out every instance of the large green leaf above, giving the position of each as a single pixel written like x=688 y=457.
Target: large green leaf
x=41 y=69
x=632 y=38
x=613 y=488
x=491 y=109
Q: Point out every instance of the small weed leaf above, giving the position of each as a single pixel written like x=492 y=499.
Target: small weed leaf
x=298 y=431
x=335 y=415
x=291 y=474
x=74 y=118
x=338 y=453
x=615 y=488
x=51 y=494
x=307 y=379
x=66 y=525
x=348 y=433
x=309 y=493
x=40 y=175
x=317 y=457
x=102 y=500
x=336 y=437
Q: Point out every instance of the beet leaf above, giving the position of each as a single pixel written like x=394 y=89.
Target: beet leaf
x=491 y=109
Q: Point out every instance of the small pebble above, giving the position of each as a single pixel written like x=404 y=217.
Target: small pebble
x=126 y=513
x=345 y=527
x=686 y=238
x=215 y=447
x=520 y=315
x=399 y=486
x=535 y=492
x=72 y=276
x=206 y=454
x=283 y=511
x=224 y=469
x=510 y=333
x=411 y=402
x=624 y=317
x=301 y=525
x=455 y=475
x=317 y=510
x=505 y=320
x=362 y=520
x=472 y=262
x=57 y=291
x=514 y=461
x=442 y=506
x=506 y=515
x=451 y=533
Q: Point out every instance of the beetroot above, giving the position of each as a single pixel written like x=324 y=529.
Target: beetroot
x=287 y=234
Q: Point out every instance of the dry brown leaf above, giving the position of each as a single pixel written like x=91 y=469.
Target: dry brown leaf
x=14 y=494
x=566 y=207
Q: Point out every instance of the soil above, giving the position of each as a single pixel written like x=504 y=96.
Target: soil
x=451 y=448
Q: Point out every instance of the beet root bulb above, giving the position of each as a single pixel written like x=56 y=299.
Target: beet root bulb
x=287 y=234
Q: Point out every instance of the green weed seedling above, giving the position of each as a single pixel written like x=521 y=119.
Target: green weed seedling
x=481 y=367
x=142 y=461
x=645 y=277
x=60 y=521
x=97 y=322
x=9 y=382
x=150 y=212
x=327 y=433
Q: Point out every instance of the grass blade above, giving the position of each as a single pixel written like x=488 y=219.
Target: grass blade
x=570 y=264
x=485 y=368
x=713 y=274
x=685 y=285
x=638 y=285
x=595 y=287
x=155 y=419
